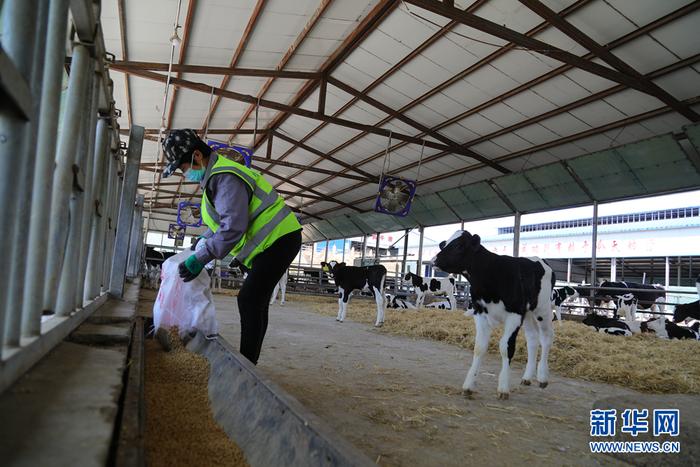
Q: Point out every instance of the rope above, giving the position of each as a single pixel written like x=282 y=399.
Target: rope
x=420 y=161
x=385 y=167
x=255 y=130
x=211 y=99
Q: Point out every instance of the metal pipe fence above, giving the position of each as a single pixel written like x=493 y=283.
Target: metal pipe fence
x=63 y=200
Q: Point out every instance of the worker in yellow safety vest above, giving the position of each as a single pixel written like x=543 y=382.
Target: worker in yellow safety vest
x=246 y=218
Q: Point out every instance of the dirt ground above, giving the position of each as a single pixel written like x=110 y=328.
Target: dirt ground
x=398 y=399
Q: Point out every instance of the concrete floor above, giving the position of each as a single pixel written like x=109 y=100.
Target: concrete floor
x=63 y=411
x=398 y=399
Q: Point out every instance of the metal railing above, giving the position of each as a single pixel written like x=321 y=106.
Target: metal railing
x=64 y=187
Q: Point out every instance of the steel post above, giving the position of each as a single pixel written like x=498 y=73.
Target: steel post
x=134 y=259
x=111 y=222
x=19 y=18
x=43 y=170
x=126 y=210
x=68 y=285
x=405 y=252
x=419 y=266
x=102 y=158
x=667 y=275
x=105 y=247
x=87 y=203
x=516 y=235
x=594 y=256
x=63 y=175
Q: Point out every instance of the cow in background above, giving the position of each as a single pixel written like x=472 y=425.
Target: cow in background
x=435 y=286
x=280 y=286
x=350 y=278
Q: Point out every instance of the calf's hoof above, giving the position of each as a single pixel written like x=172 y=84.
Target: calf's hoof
x=378 y=325
x=525 y=382
x=544 y=385
x=468 y=393
x=503 y=395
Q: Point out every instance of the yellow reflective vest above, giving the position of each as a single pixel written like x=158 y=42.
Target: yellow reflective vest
x=268 y=217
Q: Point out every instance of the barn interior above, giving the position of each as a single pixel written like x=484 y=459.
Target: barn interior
x=476 y=109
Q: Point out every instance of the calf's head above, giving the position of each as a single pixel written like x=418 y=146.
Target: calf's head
x=456 y=252
x=685 y=311
x=331 y=267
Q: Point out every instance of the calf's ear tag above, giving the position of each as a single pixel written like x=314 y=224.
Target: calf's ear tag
x=442 y=244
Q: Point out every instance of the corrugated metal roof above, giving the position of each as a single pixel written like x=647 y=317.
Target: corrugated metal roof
x=517 y=107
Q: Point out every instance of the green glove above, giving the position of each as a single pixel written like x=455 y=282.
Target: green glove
x=190 y=268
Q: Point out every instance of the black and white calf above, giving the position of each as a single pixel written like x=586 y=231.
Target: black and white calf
x=398 y=301
x=686 y=311
x=350 y=278
x=665 y=329
x=561 y=295
x=645 y=300
x=436 y=286
x=281 y=286
x=607 y=325
x=504 y=290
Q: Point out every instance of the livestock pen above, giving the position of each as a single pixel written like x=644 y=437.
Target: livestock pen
x=364 y=132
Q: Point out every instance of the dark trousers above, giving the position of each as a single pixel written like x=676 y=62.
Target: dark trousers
x=254 y=297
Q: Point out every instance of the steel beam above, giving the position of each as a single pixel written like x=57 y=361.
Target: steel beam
x=522 y=40
x=126 y=66
x=306 y=30
x=242 y=43
x=201 y=87
x=381 y=10
x=608 y=57
x=126 y=210
x=470 y=69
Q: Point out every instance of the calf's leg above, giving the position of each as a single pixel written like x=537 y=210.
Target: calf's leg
x=344 y=305
x=546 y=337
x=532 y=339
x=481 y=345
x=379 y=299
x=341 y=298
x=507 y=349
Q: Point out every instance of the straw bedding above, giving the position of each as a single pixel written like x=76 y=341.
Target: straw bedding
x=180 y=428
x=642 y=362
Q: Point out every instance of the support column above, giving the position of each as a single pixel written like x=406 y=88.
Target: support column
x=364 y=248
x=376 y=250
x=613 y=269
x=325 y=255
x=667 y=275
x=126 y=210
x=43 y=170
x=516 y=235
x=421 y=230
x=343 y=254
x=568 y=270
x=594 y=237
x=678 y=272
x=405 y=253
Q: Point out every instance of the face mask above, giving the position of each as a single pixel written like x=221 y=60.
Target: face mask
x=194 y=175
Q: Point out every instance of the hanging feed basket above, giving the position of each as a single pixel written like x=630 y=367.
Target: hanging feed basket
x=395 y=196
x=176 y=231
x=189 y=214
x=240 y=154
